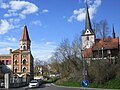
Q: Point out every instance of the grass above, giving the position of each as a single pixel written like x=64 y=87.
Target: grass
x=70 y=83
x=112 y=84
x=52 y=80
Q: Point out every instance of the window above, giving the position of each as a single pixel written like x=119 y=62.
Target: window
x=24 y=62
x=2 y=61
x=15 y=62
x=24 y=69
x=15 y=69
x=87 y=38
x=15 y=55
x=7 y=62
x=24 y=47
x=24 y=55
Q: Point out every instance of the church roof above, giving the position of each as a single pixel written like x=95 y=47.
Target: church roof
x=106 y=43
x=87 y=22
x=25 y=35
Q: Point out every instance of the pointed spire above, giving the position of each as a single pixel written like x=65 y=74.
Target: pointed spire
x=113 y=32
x=87 y=22
x=25 y=36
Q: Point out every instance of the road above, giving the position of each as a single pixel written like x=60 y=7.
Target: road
x=53 y=87
x=48 y=87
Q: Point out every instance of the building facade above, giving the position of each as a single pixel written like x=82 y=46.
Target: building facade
x=98 y=48
x=20 y=61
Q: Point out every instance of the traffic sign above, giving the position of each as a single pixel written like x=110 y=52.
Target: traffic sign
x=85 y=83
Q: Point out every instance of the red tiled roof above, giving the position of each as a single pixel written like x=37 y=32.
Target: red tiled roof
x=25 y=36
x=106 y=43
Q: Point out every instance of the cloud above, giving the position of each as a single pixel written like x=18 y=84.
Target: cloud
x=20 y=9
x=17 y=11
x=79 y=15
x=13 y=39
x=44 y=11
x=36 y=22
x=42 y=51
x=25 y=6
x=4 y=5
x=5 y=46
x=50 y=43
x=8 y=44
x=4 y=26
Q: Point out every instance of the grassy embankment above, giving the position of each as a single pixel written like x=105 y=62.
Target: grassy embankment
x=112 y=84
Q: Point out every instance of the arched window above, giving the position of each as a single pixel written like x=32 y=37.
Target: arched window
x=15 y=69
x=24 y=47
x=24 y=69
x=7 y=62
x=15 y=62
x=24 y=61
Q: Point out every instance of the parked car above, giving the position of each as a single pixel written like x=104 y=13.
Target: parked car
x=34 y=83
x=1 y=84
x=40 y=81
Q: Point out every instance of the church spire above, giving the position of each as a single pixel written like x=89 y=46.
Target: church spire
x=25 y=35
x=25 y=41
x=113 y=32
x=87 y=22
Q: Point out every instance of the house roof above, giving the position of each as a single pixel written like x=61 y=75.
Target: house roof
x=25 y=35
x=106 y=43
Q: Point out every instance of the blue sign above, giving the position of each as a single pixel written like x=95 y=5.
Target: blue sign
x=85 y=83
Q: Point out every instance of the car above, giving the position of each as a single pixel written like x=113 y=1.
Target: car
x=1 y=84
x=40 y=81
x=34 y=84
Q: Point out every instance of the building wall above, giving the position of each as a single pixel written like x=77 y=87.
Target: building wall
x=87 y=43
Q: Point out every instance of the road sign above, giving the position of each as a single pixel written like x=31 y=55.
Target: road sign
x=85 y=83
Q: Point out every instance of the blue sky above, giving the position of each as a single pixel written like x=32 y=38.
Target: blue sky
x=50 y=21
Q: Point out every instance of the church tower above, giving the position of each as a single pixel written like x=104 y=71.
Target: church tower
x=25 y=41
x=88 y=35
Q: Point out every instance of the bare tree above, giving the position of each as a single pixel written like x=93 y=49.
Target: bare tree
x=101 y=28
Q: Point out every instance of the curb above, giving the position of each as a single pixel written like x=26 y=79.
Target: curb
x=83 y=87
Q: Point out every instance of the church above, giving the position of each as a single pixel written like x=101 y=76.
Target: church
x=98 y=48
x=20 y=61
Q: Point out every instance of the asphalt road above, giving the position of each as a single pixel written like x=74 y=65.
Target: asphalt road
x=48 y=87
x=53 y=87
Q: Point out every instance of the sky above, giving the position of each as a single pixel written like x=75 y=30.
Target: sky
x=50 y=21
